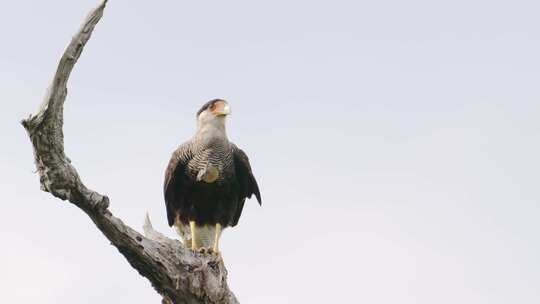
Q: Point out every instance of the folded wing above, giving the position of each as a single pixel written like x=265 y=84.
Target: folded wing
x=176 y=181
x=246 y=181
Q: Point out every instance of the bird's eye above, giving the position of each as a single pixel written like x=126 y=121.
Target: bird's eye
x=212 y=106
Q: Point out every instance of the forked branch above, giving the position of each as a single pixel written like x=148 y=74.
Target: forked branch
x=177 y=273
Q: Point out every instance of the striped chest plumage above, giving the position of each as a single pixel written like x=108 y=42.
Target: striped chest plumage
x=213 y=161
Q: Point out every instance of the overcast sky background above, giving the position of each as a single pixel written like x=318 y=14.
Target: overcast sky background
x=396 y=144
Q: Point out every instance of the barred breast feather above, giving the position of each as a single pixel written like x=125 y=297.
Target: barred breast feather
x=220 y=201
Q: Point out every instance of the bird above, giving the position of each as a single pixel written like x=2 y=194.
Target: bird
x=207 y=181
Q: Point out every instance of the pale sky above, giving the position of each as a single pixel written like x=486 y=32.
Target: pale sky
x=396 y=144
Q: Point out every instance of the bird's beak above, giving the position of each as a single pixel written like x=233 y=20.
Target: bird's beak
x=224 y=110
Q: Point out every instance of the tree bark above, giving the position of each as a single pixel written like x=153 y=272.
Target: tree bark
x=177 y=273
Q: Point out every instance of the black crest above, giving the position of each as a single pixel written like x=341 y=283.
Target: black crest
x=207 y=105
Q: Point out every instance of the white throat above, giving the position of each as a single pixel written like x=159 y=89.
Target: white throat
x=213 y=128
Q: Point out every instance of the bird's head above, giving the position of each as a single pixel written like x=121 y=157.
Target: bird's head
x=212 y=115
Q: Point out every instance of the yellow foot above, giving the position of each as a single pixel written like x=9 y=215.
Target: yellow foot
x=206 y=250
x=217 y=258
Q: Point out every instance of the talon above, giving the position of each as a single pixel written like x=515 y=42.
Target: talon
x=217 y=256
x=206 y=250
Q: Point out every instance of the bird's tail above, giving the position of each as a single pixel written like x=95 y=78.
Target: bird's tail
x=206 y=235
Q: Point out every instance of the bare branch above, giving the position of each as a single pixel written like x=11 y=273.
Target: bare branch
x=177 y=273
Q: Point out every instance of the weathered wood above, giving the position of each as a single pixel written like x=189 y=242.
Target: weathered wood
x=177 y=273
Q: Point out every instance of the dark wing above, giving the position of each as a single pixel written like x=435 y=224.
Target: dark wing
x=176 y=181
x=246 y=181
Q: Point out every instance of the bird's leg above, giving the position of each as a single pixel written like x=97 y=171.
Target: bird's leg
x=216 y=238
x=194 y=241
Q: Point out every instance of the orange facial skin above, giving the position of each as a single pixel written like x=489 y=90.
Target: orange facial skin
x=220 y=108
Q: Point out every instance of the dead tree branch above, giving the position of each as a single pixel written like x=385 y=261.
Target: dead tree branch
x=178 y=274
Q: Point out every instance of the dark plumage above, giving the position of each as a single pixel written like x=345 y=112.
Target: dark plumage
x=208 y=203
x=208 y=178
